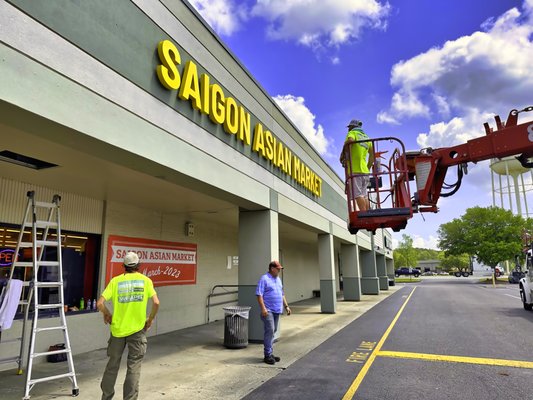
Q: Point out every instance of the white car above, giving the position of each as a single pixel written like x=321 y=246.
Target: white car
x=526 y=284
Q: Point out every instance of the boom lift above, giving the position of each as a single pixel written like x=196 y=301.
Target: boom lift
x=389 y=193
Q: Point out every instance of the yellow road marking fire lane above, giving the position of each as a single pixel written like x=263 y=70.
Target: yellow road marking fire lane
x=420 y=356
x=457 y=359
x=355 y=384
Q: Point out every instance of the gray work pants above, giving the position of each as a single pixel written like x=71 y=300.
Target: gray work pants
x=137 y=344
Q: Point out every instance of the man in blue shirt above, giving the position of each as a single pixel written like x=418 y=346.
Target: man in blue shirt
x=272 y=300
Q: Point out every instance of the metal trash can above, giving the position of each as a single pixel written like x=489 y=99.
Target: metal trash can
x=236 y=327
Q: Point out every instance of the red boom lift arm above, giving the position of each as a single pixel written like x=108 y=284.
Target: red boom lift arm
x=389 y=192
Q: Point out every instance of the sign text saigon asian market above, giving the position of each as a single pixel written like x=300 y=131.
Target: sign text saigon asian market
x=166 y=263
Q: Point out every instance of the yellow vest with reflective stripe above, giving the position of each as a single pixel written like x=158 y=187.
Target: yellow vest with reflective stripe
x=359 y=151
x=129 y=293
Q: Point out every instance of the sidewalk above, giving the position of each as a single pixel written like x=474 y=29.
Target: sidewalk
x=193 y=364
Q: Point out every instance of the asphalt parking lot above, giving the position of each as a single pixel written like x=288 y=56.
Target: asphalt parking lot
x=447 y=338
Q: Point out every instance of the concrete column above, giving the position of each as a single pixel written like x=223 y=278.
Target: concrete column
x=369 y=275
x=351 y=280
x=326 y=262
x=390 y=270
x=381 y=267
x=258 y=245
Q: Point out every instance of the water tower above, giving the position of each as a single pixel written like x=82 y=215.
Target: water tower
x=514 y=182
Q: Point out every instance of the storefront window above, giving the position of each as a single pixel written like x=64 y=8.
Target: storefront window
x=80 y=255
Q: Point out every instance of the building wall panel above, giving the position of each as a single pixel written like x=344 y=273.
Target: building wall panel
x=301 y=273
x=78 y=213
x=181 y=305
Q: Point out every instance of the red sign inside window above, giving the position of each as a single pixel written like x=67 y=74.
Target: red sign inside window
x=165 y=263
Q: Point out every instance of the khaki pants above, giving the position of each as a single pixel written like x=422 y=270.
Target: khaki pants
x=137 y=344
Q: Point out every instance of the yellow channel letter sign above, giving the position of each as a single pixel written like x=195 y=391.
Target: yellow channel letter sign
x=209 y=99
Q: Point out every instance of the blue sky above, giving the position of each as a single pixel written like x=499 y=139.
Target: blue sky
x=429 y=72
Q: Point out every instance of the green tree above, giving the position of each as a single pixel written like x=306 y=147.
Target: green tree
x=528 y=231
x=427 y=254
x=527 y=239
x=405 y=255
x=492 y=234
x=455 y=261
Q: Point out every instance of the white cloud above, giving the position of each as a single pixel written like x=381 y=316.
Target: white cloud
x=304 y=120
x=487 y=71
x=422 y=243
x=222 y=15
x=321 y=23
x=456 y=131
x=418 y=241
x=318 y=24
x=385 y=117
x=405 y=103
x=442 y=105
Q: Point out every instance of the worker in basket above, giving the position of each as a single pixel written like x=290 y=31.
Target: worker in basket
x=362 y=158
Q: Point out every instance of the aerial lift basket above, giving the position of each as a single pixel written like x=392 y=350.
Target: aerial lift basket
x=388 y=190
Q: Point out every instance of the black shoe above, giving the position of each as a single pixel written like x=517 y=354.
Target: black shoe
x=269 y=360
x=276 y=358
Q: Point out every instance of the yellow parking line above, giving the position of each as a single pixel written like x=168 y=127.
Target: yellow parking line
x=355 y=384
x=457 y=359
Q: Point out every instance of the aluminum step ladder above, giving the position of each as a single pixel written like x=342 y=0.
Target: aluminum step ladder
x=45 y=233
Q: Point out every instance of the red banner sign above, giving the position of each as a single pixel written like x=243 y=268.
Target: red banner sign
x=166 y=263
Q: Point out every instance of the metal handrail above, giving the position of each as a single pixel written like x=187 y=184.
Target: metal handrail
x=213 y=294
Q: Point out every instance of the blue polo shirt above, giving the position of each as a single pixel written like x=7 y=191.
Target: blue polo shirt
x=271 y=289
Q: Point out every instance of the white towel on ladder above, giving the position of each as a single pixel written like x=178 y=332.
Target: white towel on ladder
x=9 y=306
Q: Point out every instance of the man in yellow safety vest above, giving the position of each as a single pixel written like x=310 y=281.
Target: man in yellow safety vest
x=360 y=167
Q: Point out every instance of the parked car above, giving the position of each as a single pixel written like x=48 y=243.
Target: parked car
x=516 y=275
x=407 y=271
